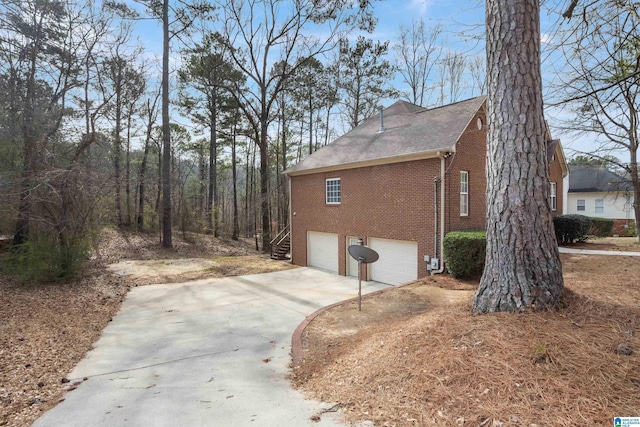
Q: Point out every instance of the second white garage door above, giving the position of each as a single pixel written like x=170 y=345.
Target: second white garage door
x=322 y=251
x=398 y=261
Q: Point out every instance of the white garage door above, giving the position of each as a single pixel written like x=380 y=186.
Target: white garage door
x=398 y=261
x=322 y=251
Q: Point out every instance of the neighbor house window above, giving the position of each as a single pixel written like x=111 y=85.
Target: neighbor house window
x=599 y=205
x=464 y=193
x=333 y=191
x=554 y=196
x=581 y=205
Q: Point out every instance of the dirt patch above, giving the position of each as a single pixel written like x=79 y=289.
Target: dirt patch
x=620 y=244
x=113 y=246
x=45 y=329
x=323 y=337
x=437 y=364
x=159 y=268
x=172 y=270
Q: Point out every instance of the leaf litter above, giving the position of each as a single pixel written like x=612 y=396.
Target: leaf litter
x=440 y=365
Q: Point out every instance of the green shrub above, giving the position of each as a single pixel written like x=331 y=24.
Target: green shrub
x=571 y=228
x=464 y=253
x=601 y=227
x=44 y=259
x=631 y=230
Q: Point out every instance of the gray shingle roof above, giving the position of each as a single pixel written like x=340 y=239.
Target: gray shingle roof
x=596 y=179
x=409 y=130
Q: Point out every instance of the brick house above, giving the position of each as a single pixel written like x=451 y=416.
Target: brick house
x=596 y=191
x=398 y=182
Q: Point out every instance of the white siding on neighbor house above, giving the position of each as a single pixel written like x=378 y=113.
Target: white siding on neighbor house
x=565 y=194
x=322 y=251
x=616 y=205
x=398 y=261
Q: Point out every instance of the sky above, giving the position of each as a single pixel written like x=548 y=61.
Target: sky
x=463 y=23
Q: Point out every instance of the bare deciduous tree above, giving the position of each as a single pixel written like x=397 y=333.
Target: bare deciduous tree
x=478 y=71
x=601 y=85
x=150 y=113
x=417 y=52
x=262 y=33
x=452 y=68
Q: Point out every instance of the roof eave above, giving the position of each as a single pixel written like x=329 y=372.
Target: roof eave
x=562 y=159
x=374 y=162
x=481 y=107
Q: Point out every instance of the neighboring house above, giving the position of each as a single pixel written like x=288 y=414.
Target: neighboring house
x=596 y=191
x=399 y=182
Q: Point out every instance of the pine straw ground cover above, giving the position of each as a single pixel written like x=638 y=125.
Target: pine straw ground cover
x=447 y=367
x=45 y=329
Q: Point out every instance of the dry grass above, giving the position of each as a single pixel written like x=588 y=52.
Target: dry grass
x=197 y=257
x=113 y=245
x=447 y=367
x=629 y=244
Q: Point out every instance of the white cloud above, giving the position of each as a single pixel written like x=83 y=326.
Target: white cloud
x=420 y=6
x=546 y=38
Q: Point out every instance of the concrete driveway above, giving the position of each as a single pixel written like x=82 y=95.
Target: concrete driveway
x=204 y=353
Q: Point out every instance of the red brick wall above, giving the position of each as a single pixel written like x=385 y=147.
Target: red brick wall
x=620 y=229
x=555 y=175
x=390 y=201
x=470 y=156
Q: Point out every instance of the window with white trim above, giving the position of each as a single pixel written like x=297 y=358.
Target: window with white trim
x=464 y=193
x=581 y=207
x=333 y=192
x=599 y=205
x=554 y=196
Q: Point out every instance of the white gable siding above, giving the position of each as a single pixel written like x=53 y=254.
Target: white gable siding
x=616 y=205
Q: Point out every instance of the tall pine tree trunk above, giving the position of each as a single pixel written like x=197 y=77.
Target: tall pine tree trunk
x=158 y=209
x=234 y=177
x=247 y=228
x=117 y=144
x=127 y=173
x=253 y=197
x=284 y=199
x=283 y=191
x=23 y=220
x=142 y=186
x=522 y=268
x=212 y=204
x=166 y=132
x=310 y=126
x=264 y=184
x=201 y=201
x=143 y=168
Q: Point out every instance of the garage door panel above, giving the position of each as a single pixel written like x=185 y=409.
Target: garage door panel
x=322 y=251
x=398 y=261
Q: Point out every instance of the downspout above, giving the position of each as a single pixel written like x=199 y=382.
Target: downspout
x=435 y=229
x=291 y=213
x=435 y=216
x=565 y=194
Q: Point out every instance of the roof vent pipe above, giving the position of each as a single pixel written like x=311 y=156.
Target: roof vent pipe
x=381 y=119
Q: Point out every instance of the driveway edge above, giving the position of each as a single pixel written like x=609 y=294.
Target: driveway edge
x=565 y=250
x=297 y=352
